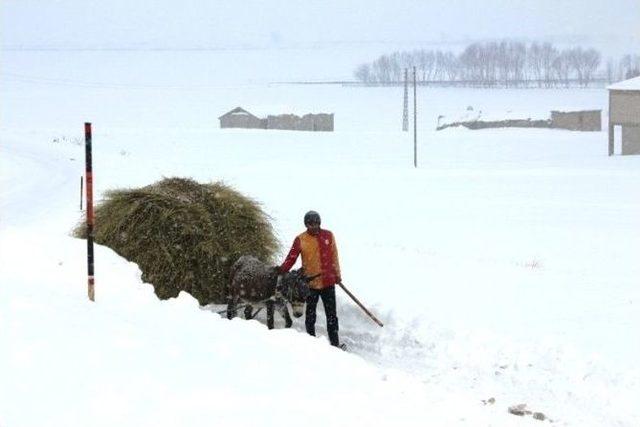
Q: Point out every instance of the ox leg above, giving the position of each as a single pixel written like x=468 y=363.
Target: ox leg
x=284 y=312
x=270 y=310
x=231 y=308
x=248 y=312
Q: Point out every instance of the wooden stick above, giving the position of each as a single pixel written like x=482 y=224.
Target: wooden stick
x=360 y=305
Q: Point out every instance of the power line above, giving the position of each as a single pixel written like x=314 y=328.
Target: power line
x=110 y=85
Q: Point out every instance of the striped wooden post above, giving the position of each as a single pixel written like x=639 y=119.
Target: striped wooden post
x=90 y=216
x=81 y=189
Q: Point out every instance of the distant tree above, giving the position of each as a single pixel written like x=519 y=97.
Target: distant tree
x=363 y=73
x=449 y=65
x=573 y=57
x=407 y=61
x=490 y=61
x=470 y=60
x=562 y=67
x=502 y=62
x=611 y=70
x=426 y=62
x=548 y=55
x=397 y=70
x=535 y=62
x=632 y=73
x=629 y=66
x=382 y=69
x=590 y=62
x=517 y=58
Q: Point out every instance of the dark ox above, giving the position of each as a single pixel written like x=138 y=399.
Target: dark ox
x=254 y=283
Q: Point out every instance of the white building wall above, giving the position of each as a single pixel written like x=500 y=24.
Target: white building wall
x=630 y=140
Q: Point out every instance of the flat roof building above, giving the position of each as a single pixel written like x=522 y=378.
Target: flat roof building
x=624 y=111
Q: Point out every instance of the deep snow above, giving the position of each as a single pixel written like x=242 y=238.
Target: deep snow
x=505 y=266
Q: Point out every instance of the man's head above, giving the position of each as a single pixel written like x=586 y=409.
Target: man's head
x=312 y=222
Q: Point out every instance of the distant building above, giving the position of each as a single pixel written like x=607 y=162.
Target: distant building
x=588 y=121
x=624 y=111
x=241 y=118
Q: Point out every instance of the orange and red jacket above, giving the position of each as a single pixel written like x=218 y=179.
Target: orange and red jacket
x=319 y=255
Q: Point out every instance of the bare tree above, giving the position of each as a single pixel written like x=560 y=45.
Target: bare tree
x=363 y=73
x=535 y=62
x=634 y=72
x=439 y=66
x=394 y=67
x=426 y=61
x=471 y=61
x=629 y=66
x=562 y=68
x=590 y=62
x=517 y=59
x=574 y=59
x=449 y=64
x=611 y=70
x=382 y=69
x=407 y=60
x=548 y=55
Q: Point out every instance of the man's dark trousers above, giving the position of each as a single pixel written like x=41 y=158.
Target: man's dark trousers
x=328 y=296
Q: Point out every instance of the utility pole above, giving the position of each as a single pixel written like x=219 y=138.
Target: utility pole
x=90 y=218
x=415 y=122
x=405 y=111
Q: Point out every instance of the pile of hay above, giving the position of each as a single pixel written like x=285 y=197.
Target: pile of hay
x=183 y=235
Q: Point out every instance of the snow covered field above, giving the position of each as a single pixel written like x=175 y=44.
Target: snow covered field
x=505 y=266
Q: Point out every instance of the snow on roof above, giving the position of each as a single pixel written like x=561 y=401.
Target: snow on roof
x=261 y=111
x=631 y=84
x=236 y=112
x=265 y=110
x=471 y=115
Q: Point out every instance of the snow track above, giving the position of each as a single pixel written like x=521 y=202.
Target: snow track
x=32 y=183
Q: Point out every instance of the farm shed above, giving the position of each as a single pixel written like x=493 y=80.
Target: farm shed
x=624 y=111
x=588 y=121
x=241 y=118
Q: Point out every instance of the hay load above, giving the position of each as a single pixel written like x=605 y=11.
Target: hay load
x=183 y=235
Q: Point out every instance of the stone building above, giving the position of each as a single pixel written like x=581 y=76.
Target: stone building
x=283 y=122
x=624 y=111
x=589 y=121
x=241 y=118
x=322 y=122
x=309 y=122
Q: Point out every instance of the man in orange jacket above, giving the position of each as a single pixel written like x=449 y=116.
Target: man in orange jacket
x=319 y=256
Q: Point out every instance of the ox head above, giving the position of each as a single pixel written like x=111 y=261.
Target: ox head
x=296 y=287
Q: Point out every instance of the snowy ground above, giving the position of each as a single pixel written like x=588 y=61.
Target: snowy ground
x=504 y=267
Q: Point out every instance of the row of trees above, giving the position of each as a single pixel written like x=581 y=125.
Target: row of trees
x=503 y=63
x=627 y=67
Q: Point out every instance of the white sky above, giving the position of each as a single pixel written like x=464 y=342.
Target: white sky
x=198 y=23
